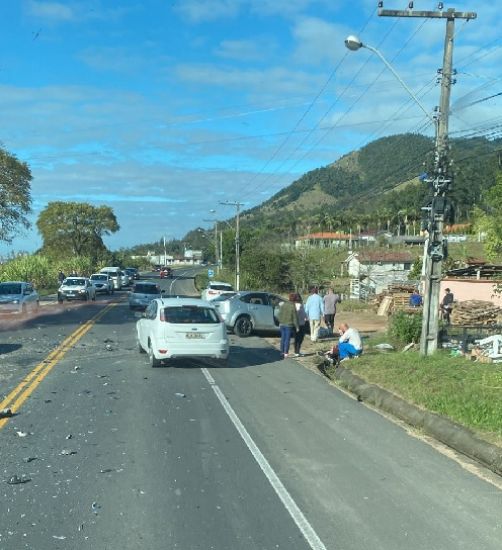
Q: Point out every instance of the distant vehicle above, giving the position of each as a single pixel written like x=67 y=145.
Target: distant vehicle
x=132 y=272
x=166 y=272
x=76 y=288
x=142 y=294
x=247 y=311
x=102 y=282
x=113 y=272
x=215 y=289
x=157 y=268
x=181 y=327
x=126 y=281
x=18 y=298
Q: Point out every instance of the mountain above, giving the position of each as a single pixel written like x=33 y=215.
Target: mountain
x=379 y=185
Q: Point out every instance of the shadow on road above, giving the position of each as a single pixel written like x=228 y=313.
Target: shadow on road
x=9 y=348
x=240 y=358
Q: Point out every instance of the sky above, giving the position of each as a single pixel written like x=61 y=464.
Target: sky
x=164 y=109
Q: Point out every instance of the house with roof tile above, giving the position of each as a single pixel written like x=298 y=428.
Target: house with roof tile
x=375 y=270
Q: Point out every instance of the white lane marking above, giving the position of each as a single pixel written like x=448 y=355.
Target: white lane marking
x=294 y=511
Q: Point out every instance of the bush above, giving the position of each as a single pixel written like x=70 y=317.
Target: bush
x=406 y=327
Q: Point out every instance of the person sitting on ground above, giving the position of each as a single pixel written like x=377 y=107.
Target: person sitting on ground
x=415 y=299
x=350 y=343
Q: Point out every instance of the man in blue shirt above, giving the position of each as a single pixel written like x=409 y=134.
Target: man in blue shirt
x=314 y=308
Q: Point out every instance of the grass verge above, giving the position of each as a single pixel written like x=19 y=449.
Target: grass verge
x=468 y=393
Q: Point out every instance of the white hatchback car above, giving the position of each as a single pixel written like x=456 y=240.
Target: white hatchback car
x=215 y=289
x=181 y=327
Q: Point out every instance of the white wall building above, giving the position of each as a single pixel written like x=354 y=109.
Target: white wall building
x=375 y=270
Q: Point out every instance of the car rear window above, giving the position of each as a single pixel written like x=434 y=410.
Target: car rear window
x=146 y=289
x=99 y=277
x=10 y=289
x=220 y=287
x=190 y=315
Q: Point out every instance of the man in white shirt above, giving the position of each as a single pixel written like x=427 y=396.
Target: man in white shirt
x=350 y=344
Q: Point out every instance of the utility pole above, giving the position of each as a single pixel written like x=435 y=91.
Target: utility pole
x=216 y=251
x=237 y=240
x=440 y=208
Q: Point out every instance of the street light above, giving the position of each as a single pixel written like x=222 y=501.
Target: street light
x=353 y=43
x=237 y=205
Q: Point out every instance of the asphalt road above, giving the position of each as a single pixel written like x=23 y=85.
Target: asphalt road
x=261 y=455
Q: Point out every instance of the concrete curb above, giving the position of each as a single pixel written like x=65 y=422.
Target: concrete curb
x=448 y=432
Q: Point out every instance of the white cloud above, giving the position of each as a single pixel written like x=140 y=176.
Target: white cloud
x=318 y=41
x=55 y=11
x=244 y=50
x=198 y=11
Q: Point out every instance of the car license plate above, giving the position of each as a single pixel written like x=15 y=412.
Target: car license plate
x=194 y=335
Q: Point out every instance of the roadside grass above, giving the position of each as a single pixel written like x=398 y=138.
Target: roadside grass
x=467 y=392
x=353 y=305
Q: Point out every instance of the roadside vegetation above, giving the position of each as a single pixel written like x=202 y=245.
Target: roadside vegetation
x=466 y=392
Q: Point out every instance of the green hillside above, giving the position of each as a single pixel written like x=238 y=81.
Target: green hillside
x=378 y=186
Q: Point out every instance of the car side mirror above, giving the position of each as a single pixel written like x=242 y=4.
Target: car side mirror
x=162 y=291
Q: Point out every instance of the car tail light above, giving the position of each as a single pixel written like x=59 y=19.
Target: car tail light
x=212 y=292
x=162 y=316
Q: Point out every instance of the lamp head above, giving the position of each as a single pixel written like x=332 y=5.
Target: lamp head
x=353 y=43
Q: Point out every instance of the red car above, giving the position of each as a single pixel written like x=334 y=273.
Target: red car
x=165 y=272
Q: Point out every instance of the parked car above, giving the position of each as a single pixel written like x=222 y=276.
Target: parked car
x=76 y=288
x=142 y=294
x=215 y=289
x=132 y=272
x=166 y=272
x=18 y=298
x=102 y=282
x=248 y=311
x=113 y=272
x=181 y=327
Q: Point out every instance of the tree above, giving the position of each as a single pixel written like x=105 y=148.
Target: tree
x=490 y=221
x=15 y=198
x=75 y=228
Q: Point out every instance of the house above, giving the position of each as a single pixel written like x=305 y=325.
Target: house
x=375 y=270
x=325 y=240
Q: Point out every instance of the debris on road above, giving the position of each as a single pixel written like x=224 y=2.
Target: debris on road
x=69 y=436
x=6 y=413
x=95 y=507
x=29 y=459
x=16 y=480
x=67 y=452
x=22 y=434
x=59 y=537
x=178 y=394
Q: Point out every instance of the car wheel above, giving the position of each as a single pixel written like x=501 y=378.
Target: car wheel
x=243 y=326
x=154 y=362
x=140 y=347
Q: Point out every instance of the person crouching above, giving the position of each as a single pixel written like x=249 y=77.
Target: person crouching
x=349 y=344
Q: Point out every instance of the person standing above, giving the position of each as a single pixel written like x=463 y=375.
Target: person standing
x=314 y=308
x=447 y=305
x=61 y=277
x=350 y=343
x=302 y=321
x=330 y=301
x=288 y=322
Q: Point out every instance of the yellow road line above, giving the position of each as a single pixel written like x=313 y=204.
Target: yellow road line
x=26 y=387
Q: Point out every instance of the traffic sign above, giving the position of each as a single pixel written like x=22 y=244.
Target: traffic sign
x=210 y=273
